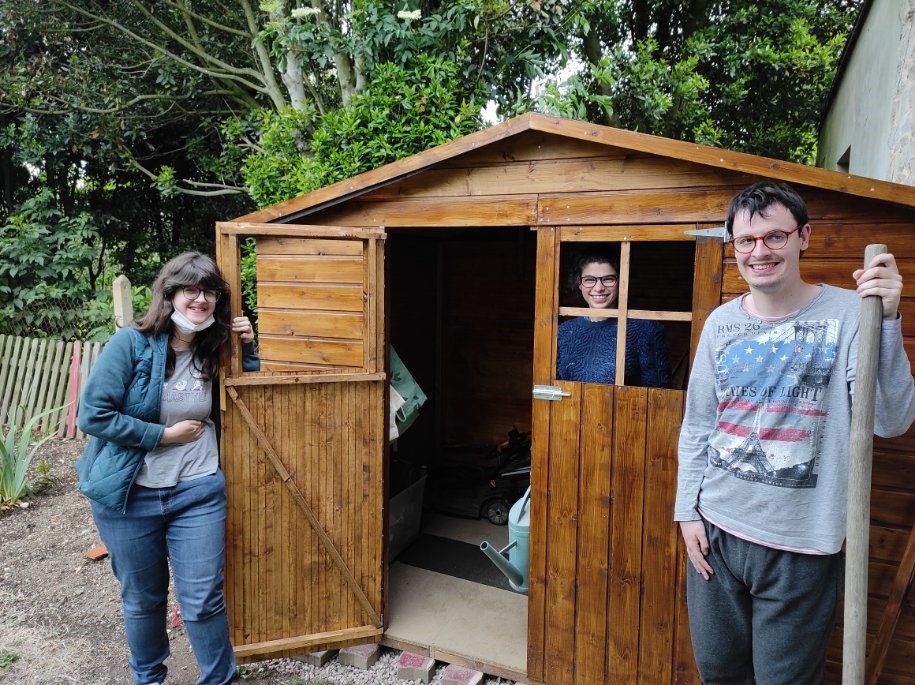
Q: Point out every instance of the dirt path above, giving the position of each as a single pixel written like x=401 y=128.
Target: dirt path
x=60 y=612
x=61 y=616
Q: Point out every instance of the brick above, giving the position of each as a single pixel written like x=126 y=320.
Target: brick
x=317 y=658
x=97 y=553
x=458 y=675
x=415 y=667
x=360 y=656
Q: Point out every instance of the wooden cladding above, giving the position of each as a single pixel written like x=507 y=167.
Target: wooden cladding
x=608 y=563
x=312 y=298
x=304 y=474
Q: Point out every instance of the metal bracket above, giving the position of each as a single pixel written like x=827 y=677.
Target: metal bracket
x=717 y=232
x=549 y=392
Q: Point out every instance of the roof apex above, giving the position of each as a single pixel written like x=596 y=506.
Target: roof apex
x=603 y=135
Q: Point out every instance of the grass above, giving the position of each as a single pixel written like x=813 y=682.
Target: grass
x=7 y=659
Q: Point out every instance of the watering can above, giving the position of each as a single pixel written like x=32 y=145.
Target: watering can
x=516 y=566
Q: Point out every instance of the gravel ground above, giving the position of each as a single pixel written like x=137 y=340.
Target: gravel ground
x=61 y=615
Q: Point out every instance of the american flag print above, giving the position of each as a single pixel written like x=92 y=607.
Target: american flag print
x=771 y=383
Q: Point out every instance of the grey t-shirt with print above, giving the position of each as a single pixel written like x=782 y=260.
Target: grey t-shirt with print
x=184 y=396
x=764 y=443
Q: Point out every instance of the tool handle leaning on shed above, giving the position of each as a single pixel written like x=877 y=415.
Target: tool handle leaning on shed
x=860 y=456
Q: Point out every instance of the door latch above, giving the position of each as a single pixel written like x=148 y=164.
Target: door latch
x=549 y=392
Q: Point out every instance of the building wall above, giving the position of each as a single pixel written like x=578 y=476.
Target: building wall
x=872 y=114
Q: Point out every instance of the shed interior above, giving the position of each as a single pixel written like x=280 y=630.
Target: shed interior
x=461 y=313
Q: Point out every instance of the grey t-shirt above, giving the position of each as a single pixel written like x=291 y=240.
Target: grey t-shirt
x=184 y=396
x=764 y=444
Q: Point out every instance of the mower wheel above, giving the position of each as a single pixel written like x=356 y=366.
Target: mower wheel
x=497 y=511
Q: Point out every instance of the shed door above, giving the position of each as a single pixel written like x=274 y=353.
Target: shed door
x=302 y=441
x=606 y=599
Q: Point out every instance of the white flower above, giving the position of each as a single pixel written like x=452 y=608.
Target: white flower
x=409 y=16
x=301 y=12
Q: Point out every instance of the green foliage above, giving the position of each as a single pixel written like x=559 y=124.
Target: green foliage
x=7 y=659
x=402 y=112
x=249 y=278
x=739 y=74
x=44 y=480
x=17 y=450
x=45 y=257
x=281 y=165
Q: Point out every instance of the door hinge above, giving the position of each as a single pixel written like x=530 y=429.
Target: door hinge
x=716 y=232
x=549 y=392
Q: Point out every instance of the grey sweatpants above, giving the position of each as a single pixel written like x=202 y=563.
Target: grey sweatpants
x=765 y=613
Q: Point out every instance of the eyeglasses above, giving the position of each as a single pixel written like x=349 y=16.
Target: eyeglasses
x=192 y=293
x=774 y=240
x=606 y=281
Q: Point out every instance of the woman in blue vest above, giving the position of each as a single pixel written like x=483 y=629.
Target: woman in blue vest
x=151 y=468
x=586 y=350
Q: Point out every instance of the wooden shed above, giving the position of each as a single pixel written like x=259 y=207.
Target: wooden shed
x=457 y=256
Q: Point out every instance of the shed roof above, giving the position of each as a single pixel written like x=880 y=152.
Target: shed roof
x=740 y=162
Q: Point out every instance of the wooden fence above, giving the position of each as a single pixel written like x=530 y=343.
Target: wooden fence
x=43 y=376
x=46 y=376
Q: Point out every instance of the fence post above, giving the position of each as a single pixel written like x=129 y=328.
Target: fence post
x=122 y=300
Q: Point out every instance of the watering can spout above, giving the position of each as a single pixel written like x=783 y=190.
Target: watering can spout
x=516 y=567
x=515 y=577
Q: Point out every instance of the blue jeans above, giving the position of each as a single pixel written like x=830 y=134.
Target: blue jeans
x=765 y=613
x=185 y=524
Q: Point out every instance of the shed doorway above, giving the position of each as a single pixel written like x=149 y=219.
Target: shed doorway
x=461 y=320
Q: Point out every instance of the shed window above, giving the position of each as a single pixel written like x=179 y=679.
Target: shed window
x=625 y=312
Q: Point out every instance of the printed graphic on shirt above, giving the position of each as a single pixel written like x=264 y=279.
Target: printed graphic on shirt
x=185 y=395
x=185 y=390
x=771 y=385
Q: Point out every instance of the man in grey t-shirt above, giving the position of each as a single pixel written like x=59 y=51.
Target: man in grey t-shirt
x=763 y=453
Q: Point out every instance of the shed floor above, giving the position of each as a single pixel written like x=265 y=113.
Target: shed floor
x=455 y=620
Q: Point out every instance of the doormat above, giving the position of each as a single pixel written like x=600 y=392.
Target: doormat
x=453 y=558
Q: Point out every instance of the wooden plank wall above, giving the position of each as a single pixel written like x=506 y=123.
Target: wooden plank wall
x=285 y=594
x=610 y=559
x=311 y=301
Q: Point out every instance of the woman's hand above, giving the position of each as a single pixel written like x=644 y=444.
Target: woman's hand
x=182 y=432
x=243 y=327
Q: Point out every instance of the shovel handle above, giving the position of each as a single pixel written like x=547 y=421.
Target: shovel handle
x=860 y=461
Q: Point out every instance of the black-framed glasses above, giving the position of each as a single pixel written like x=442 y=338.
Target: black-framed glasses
x=192 y=293
x=774 y=240
x=606 y=281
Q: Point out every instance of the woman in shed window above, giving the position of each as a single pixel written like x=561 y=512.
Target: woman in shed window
x=587 y=345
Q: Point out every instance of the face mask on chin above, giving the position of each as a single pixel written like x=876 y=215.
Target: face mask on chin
x=187 y=326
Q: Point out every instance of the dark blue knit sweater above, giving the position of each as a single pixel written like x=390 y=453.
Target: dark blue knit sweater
x=587 y=352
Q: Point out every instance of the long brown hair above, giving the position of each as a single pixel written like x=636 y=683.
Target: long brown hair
x=195 y=270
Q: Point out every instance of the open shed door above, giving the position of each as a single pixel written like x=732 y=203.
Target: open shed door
x=302 y=443
x=606 y=567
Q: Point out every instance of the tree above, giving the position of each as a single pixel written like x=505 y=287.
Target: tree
x=747 y=75
x=158 y=118
x=45 y=260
